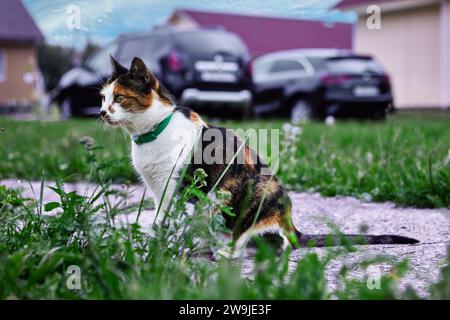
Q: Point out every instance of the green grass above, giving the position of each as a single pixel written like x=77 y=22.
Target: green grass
x=29 y=148
x=83 y=253
x=402 y=159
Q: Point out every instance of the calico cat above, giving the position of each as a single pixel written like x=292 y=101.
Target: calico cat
x=134 y=99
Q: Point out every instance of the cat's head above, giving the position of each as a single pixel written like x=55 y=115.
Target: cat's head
x=129 y=93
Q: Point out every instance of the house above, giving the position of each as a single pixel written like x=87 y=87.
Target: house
x=19 y=70
x=412 y=42
x=267 y=34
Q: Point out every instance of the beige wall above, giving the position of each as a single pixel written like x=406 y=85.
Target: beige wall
x=19 y=60
x=445 y=46
x=408 y=45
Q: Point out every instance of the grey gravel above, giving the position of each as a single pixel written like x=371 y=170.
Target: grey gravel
x=313 y=213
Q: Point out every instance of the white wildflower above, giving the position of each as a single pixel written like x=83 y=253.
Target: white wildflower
x=295 y=130
x=369 y=157
x=330 y=120
x=361 y=174
x=366 y=197
x=63 y=166
x=286 y=127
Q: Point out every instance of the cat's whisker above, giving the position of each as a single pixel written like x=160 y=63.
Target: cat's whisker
x=114 y=134
x=100 y=123
x=131 y=126
x=122 y=124
x=136 y=129
x=94 y=87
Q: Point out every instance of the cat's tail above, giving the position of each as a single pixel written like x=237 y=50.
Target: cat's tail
x=326 y=240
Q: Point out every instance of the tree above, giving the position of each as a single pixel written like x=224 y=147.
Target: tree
x=54 y=61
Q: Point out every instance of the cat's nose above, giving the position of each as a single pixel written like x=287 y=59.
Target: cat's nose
x=102 y=113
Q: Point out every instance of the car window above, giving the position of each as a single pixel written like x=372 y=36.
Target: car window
x=279 y=68
x=286 y=66
x=317 y=62
x=209 y=41
x=143 y=47
x=353 y=66
x=99 y=61
x=261 y=67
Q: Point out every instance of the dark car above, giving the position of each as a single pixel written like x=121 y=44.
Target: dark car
x=320 y=82
x=203 y=68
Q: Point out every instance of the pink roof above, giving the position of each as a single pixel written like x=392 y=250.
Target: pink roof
x=16 y=24
x=268 y=34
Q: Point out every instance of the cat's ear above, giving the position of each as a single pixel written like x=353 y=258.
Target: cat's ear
x=138 y=67
x=140 y=70
x=118 y=69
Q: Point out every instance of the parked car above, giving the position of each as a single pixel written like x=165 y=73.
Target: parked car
x=320 y=82
x=203 y=68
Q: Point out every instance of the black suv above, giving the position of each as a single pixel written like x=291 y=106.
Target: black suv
x=320 y=82
x=203 y=68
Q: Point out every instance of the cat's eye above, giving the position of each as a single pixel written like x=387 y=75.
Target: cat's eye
x=119 y=99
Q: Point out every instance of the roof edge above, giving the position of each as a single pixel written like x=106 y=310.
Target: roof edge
x=186 y=11
x=391 y=5
x=41 y=36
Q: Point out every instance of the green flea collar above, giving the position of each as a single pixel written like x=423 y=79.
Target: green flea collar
x=152 y=134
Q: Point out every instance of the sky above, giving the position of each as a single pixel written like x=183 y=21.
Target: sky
x=102 y=21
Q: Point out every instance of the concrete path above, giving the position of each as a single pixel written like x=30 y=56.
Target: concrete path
x=312 y=214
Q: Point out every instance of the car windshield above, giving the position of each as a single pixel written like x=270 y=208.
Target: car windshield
x=352 y=66
x=99 y=61
x=209 y=41
x=140 y=46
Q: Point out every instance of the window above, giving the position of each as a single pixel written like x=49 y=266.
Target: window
x=210 y=41
x=148 y=48
x=353 y=66
x=3 y=71
x=286 y=66
x=143 y=47
x=318 y=63
x=268 y=69
x=261 y=67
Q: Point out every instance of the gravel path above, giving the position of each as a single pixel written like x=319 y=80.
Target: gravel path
x=312 y=214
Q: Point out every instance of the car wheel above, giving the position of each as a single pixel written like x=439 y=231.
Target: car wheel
x=66 y=108
x=301 y=111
